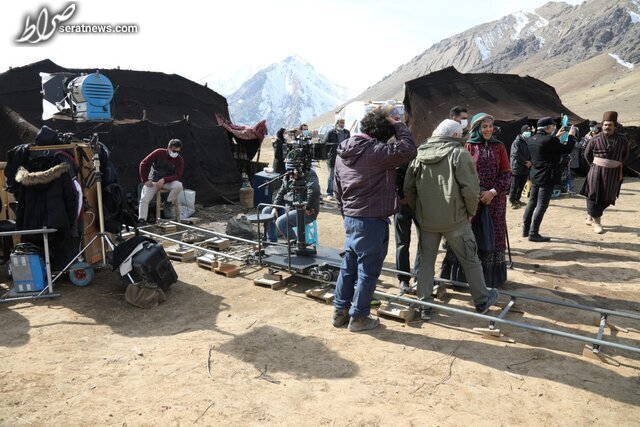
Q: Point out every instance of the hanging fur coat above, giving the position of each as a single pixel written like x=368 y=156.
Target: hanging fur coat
x=46 y=198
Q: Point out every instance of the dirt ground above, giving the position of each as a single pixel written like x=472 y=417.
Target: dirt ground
x=222 y=351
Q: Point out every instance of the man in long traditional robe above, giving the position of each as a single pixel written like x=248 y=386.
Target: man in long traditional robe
x=605 y=154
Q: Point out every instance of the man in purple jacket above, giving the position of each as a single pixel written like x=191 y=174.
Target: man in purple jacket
x=365 y=189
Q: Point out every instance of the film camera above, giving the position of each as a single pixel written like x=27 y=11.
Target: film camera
x=298 y=163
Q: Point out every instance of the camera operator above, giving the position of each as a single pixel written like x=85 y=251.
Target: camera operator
x=286 y=196
x=303 y=132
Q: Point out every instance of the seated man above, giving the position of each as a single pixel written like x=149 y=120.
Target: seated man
x=285 y=197
x=162 y=168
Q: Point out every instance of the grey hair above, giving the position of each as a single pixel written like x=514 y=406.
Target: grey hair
x=448 y=127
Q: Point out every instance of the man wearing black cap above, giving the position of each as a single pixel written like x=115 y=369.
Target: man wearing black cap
x=605 y=154
x=520 y=164
x=546 y=149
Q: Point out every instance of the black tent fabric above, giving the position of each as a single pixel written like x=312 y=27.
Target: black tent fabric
x=175 y=108
x=511 y=99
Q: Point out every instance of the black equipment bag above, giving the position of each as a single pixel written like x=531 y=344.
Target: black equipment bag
x=153 y=265
x=47 y=136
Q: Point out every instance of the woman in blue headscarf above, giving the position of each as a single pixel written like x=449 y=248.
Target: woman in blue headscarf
x=492 y=163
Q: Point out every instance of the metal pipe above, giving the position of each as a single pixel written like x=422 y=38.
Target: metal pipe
x=240 y=239
x=32 y=297
x=47 y=260
x=505 y=310
x=598 y=310
x=188 y=245
x=609 y=312
x=43 y=230
x=425 y=304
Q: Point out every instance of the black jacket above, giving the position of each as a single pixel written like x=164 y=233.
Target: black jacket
x=285 y=194
x=546 y=151
x=278 y=156
x=333 y=139
x=46 y=198
x=519 y=155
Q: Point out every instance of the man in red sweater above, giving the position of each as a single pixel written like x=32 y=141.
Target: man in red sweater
x=162 y=168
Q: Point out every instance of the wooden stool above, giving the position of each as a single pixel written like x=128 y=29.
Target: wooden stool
x=176 y=205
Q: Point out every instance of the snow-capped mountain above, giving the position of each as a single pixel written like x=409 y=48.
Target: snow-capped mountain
x=286 y=94
x=555 y=37
x=227 y=80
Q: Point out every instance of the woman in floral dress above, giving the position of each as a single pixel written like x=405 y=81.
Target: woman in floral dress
x=492 y=163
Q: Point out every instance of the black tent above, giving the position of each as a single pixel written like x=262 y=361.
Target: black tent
x=175 y=108
x=511 y=99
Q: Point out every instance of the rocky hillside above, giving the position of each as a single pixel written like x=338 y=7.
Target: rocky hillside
x=557 y=37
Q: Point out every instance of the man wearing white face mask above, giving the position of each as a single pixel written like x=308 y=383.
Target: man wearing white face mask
x=163 y=168
x=459 y=114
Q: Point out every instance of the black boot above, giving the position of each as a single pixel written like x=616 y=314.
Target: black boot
x=535 y=237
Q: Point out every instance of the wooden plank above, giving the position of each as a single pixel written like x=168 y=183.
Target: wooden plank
x=397 y=311
x=217 y=243
x=87 y=179
x=182 y=254
x=323 y=294
x=273 y=284
x=229 y=270
x=167 y=228
x=494 y=335
x=207 y=262
x=588 y=352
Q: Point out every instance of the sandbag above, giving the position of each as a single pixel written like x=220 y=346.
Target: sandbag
x=240 y=226
x=144 y=294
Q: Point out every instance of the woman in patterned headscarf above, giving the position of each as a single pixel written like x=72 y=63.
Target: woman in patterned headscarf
x=492 y=163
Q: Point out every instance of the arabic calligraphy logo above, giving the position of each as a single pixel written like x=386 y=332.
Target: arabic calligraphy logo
x=45 y=26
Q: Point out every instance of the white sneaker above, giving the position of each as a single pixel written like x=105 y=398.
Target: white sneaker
x=597 y=228
x=588 y=220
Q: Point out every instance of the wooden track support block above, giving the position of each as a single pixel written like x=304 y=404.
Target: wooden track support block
x=494 y=335
x=324 y=294
x=588 y=352
x=207 y=262
x=181 y=254
x=273 y=281
x=217 y=243
x=167 y=228
x=228 y=270
x=397 y=311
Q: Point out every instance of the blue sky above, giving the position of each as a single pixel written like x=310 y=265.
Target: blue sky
x=354 y=43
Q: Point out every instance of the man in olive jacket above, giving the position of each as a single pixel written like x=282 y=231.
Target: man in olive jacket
x=443 y=189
